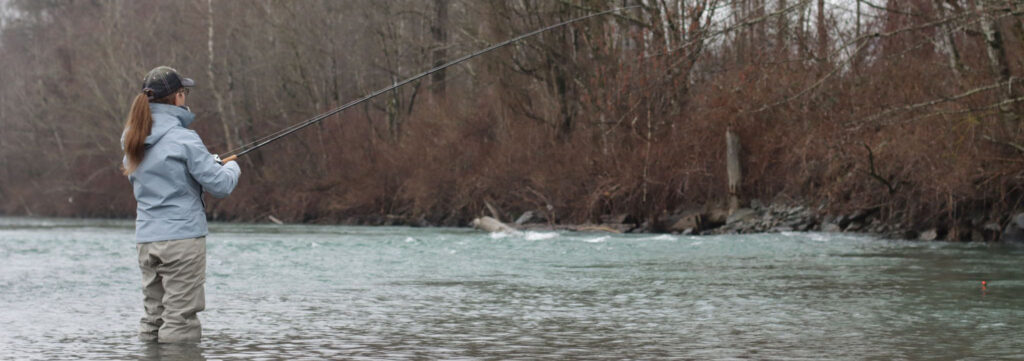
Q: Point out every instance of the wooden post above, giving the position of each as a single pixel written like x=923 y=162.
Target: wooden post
x=732 y=143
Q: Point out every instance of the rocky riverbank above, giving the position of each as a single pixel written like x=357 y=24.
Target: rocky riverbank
x=757 y=217
x=772 y=218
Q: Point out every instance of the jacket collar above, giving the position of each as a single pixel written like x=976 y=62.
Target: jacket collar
x=184 y=116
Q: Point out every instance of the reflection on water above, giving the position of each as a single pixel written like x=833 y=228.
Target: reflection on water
x=171 y=352
x=70 y=289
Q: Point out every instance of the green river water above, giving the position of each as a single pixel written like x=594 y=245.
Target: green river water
x=70 y=289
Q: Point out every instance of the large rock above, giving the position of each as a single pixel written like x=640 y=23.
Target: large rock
x=1014 y=231
x=929 y=235
x=715 y=218
x=622 y=218
x=741 y=215
x=687 y=221
x=863 y=215
x=526 y=217
x=493 y=225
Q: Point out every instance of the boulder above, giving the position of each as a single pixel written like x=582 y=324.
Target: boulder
x=526 y=217
x=688 y=220
x=421 y=221
x=1014 y=231
x=830 y=227
x=793 y=223
x=741 y=215
x=645 y=227
x=621 y=218
x=991 y=231
x=929 y=235
x=863 y=215
x=492 y=225
x=716 y=218
x=842 y=221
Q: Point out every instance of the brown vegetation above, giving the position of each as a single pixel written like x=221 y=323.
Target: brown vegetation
x=911 y=107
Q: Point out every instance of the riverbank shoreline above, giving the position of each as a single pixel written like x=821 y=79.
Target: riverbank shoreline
x=755 y=218
x=777 y=218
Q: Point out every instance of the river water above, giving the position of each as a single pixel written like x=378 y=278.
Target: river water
x=70 y=289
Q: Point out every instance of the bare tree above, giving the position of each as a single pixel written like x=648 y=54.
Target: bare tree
x=439 y=30
x=996 y=50
x=217 y=95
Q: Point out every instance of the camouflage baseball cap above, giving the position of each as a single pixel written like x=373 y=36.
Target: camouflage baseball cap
x=163 y=81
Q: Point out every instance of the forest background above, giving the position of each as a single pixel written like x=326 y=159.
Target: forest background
x=911 y=108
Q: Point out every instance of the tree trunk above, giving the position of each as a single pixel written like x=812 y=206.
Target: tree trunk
x=735 y=173
x=440 y=54
x=857 y=21
x=952 y=54
x=822 y=33
x=997 y=61
x=213 y=84
x=564 y=106
x=802 y=31
x=855 y=60
x=782 y=31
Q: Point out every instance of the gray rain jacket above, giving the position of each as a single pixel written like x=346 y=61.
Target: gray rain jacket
x=170 y=181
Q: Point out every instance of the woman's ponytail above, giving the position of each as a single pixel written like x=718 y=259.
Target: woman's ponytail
x=137 y=128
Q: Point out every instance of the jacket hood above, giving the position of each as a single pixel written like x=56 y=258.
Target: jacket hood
x=165 y=117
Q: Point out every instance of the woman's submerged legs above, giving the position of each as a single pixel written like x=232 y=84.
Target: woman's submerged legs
x=153 y=294
x=178 y=284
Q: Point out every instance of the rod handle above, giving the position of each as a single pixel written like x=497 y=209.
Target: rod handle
x=228 y=159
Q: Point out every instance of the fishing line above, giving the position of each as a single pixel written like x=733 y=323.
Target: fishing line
x=259 y=143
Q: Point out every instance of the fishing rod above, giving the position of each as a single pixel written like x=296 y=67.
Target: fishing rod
x=259 y=143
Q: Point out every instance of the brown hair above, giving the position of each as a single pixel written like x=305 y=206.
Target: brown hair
x=137 y=128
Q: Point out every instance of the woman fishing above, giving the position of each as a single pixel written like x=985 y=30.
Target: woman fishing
x=170 y=168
